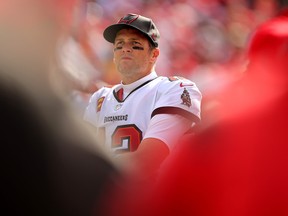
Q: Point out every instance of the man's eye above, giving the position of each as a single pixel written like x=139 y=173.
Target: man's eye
x=137 y=48
x=117 y=48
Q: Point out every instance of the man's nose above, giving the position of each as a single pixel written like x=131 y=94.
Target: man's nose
x=127 y=48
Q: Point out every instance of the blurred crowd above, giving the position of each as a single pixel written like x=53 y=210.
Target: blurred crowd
x=202 y=40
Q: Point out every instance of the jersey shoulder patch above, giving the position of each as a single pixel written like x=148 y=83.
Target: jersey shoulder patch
x=179 y=87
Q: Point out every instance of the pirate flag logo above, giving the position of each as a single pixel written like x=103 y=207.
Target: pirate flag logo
x=186 y=100
x=128 y=19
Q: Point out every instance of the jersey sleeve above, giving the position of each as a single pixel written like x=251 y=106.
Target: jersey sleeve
x=167 y=128
x=181 y=96
x=90 y=114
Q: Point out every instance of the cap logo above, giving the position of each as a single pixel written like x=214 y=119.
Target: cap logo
x=153 y=36
x=128 y=19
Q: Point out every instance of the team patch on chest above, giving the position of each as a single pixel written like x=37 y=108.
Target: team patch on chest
x=118 y=106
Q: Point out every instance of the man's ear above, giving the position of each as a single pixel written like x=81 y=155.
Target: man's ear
x=155 y=54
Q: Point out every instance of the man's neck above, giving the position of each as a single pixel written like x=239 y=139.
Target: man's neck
x=144 y=78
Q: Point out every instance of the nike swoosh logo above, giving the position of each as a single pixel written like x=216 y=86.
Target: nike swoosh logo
x=182 y=85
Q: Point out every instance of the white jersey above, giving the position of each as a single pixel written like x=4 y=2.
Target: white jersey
x=124 y=123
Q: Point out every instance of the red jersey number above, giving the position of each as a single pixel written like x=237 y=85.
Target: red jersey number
x=126 y=138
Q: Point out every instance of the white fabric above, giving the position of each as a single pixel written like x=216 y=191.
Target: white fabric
x=129 y=120
x=167 y=128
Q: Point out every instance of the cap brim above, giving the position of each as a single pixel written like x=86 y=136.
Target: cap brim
x=111 y=31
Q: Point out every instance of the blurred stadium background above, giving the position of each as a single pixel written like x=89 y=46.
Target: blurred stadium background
x=200 y=39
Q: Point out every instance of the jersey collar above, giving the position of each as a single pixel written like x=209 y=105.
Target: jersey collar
x=130 y=87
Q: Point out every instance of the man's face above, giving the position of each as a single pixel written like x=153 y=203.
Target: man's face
x=132 y=54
